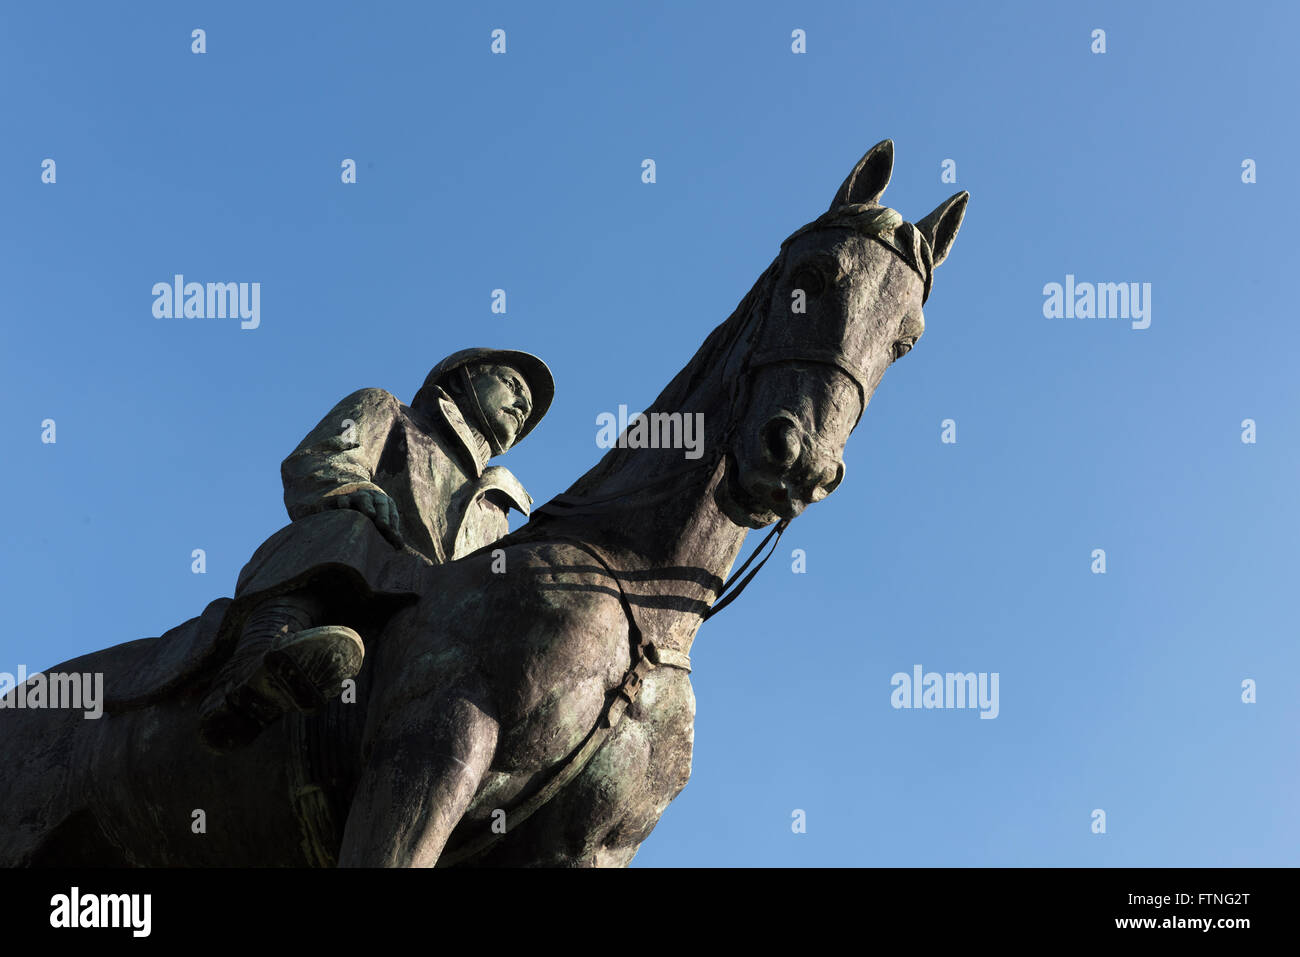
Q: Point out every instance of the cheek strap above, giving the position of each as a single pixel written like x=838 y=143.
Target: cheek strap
x=486 y=425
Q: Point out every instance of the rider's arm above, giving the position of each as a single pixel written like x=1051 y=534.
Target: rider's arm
x=341 y=454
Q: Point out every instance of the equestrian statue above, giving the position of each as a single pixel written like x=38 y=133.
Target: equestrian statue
x=398 y=683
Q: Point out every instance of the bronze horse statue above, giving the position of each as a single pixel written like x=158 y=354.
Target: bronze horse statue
x=532 y=705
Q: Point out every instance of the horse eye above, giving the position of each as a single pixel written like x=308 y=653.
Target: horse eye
x=809 y=279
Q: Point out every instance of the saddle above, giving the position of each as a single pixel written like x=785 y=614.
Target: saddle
x=152 y=668
x=338 y=552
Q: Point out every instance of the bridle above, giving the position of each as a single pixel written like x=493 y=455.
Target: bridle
x=646 y=655
x=879 y=223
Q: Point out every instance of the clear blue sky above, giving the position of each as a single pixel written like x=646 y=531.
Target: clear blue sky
x=1119 y=691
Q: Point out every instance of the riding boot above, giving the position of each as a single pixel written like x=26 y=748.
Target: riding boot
x=280 y=663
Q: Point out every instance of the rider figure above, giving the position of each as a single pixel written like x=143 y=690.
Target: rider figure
x=420 y=474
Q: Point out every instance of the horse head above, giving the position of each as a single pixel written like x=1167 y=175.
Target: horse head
x=839 y=305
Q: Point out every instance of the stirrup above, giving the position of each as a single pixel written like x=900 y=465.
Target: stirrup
x=311 y=665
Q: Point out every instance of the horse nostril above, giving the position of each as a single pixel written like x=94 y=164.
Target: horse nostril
x=780 y=440
x=836 y=478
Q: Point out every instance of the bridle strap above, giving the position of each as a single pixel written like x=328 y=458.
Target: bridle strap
x=722 y=602
x=818 y=357
x=487 y=425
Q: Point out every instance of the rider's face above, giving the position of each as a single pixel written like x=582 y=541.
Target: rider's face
x=504 y=397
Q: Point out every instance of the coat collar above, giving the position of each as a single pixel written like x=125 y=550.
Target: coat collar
x=470 y=451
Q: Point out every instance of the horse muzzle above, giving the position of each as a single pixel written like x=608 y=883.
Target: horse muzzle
x=786 y=470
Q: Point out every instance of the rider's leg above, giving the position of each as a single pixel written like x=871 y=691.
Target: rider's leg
x=281 y=662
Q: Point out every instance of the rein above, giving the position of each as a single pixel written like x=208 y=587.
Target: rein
x=722 y=602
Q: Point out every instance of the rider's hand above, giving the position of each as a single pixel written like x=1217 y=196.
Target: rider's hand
x=377 y=506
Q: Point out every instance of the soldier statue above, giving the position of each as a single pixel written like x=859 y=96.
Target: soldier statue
x=420 y=474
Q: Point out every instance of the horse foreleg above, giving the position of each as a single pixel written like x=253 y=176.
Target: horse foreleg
x=423 y=769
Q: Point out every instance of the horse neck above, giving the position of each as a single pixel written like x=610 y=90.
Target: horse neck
x=649 y=512
x=666 y=540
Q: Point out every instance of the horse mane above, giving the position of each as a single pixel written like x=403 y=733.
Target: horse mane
x=702 y=372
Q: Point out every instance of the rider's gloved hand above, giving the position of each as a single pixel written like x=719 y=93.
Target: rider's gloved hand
x=378 y=507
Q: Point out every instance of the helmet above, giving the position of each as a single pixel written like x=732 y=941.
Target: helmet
x=533 y=369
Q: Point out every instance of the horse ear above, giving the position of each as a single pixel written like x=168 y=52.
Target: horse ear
x=940 y=227
x=869 y=178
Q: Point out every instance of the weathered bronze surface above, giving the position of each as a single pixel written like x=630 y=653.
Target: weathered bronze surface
x=522 y=701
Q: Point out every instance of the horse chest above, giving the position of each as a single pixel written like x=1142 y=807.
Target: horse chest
x=554 y=723
x=551 y=681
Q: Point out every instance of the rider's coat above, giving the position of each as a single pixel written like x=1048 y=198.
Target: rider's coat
x=427 y=461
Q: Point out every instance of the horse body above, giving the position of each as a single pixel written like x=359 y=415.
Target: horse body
x=125 y=789
x=496 y=685
x=500 y=719
x=502 y=677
